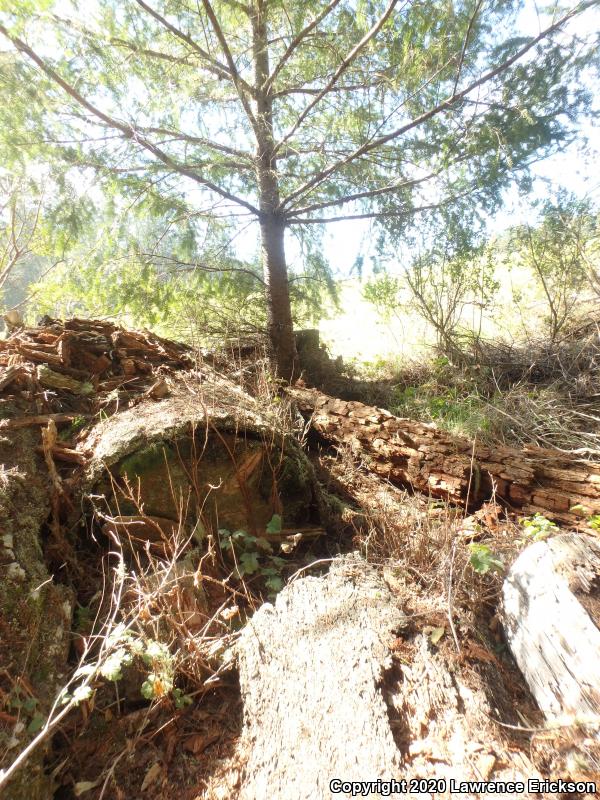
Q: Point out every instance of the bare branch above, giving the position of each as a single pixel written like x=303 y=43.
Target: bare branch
x=193 y=266
x=391 y=214
x=392 y=187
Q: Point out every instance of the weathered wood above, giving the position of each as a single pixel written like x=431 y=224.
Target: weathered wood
x=553 y=638
x=86 y=349
x=330 y=692
x=310 y=673
x=422 y=456
x=11 y=374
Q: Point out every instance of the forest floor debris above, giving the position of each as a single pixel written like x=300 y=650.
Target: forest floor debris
x=120 y=742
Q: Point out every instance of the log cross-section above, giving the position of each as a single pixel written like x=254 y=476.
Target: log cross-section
x=311 y=669
x=420 y=455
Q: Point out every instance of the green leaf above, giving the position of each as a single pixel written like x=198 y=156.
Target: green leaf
x=111 y=668
x=180 y=699
x=82 y=693
x=264 y=544
x=274 y=525
x=36 y=723
x=249 y=563
x=147 y=690
x=85 y=670
x=29 y=704
x=274 y=583
x=482 y=559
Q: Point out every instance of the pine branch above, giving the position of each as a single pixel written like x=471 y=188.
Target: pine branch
x=346 y=62
x=128 y=131
x=440 y=108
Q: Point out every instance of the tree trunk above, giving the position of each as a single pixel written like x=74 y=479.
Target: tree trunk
x=280 y=325
x=421 y=456
x=272 y=223
x=554 y=637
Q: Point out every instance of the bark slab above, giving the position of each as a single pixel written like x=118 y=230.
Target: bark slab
x=554 y=637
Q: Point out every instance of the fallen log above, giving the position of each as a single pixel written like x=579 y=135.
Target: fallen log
x=409 y=453
x=335 y=686
x=86 y=357
x=554 y=637
x=206 y=455
x=310 y=673
x=164 y=475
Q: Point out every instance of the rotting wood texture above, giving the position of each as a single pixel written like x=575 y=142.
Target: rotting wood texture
x=311 y=669
x=553 y=638
x=420 y=455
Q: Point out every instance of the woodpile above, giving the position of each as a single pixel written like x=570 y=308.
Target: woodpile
x=58 y=363
x=420 y=455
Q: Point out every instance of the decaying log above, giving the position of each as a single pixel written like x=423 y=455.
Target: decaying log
x=310 y=674
x=420 y=455
x=330 y=692
x=208 y=453
x=85 y=357
x=553 y=638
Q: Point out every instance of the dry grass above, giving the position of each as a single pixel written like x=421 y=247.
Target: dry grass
x=537 y=392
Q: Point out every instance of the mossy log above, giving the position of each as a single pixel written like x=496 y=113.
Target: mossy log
x=551 y=611
x=206 y=457
x=35 y=614
x=212 y=459
x=420 y=455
